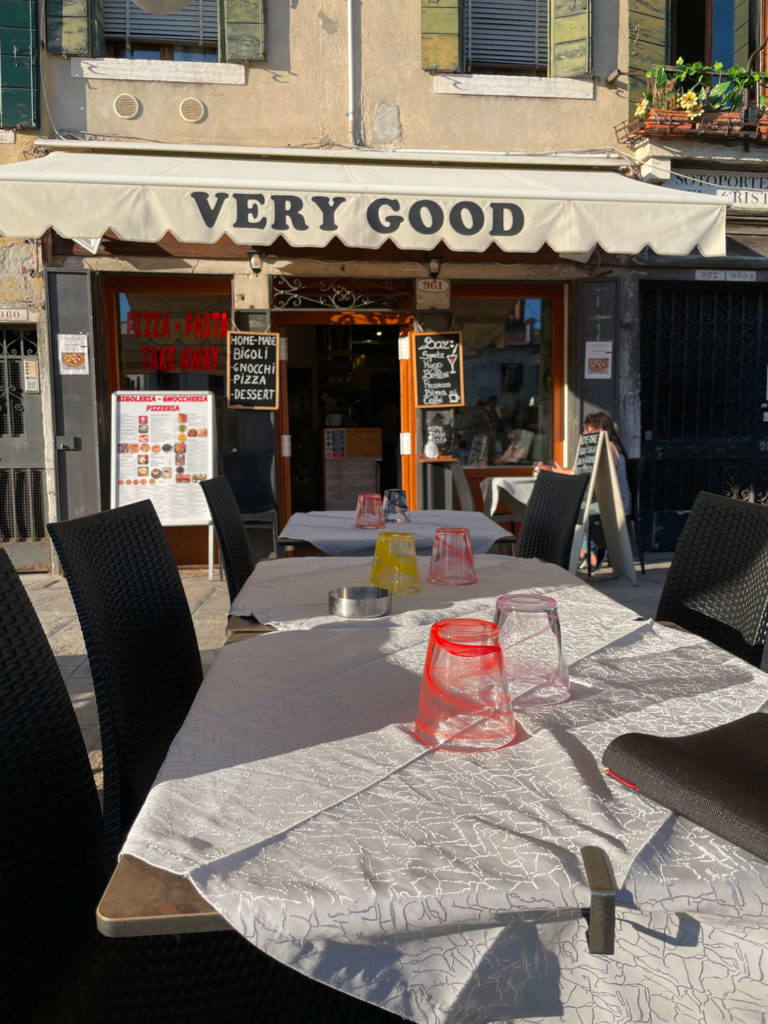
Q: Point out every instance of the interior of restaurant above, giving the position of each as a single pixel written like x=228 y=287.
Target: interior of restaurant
x=344 y=412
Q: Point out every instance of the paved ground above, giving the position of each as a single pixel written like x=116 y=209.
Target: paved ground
x=209 y=603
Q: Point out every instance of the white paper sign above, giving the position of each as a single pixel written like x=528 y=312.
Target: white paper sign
x=162 y=448
x=73 y=353
x=598 y=360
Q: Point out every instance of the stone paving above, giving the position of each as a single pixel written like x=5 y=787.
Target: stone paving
x=209 y=603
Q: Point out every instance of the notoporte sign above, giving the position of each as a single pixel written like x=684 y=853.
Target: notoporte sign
x=439 y=370
x=252 y=370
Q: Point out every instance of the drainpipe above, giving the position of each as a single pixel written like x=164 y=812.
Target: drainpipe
x=353 y=104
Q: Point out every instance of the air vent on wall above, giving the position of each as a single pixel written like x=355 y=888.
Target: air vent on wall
x=191 y=109
x=126 y=106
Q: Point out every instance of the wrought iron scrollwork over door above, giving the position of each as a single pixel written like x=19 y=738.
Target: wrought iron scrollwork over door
x=704 y=396
x=22 y=476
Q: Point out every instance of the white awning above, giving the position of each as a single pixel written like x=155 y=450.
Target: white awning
x=199 y=198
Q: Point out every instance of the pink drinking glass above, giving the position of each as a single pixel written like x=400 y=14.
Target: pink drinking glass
x=452 y=562
x=463 y=703
x=529 y=633
x=369 y=514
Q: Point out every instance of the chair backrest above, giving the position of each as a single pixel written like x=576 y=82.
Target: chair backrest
x=463 y=491
x=52 y=854
x=141 y=646
x=250 y=477
x=635 y=469
x=550 y=519
x=717 y=584
x=232 y=535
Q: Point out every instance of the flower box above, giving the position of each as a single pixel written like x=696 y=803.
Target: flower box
x=722 y=122
x=659 y=122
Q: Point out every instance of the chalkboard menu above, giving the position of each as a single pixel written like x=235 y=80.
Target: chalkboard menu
x=439 y=370
x=586 y=453
x=252 y=370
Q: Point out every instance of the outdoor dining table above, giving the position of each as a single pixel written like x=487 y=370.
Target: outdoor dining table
x=292 y=593
x=448 y=887
x=334 y=532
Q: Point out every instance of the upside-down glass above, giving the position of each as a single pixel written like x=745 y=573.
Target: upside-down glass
x=529 y=632
x=464 y=705
x=396 y=505
x=394 y=563
x=369 y=514
x=452 y=562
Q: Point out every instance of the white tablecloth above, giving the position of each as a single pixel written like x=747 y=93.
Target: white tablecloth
x=446 y=887
x=292 y=593
x=494 y=488
x=335 y=534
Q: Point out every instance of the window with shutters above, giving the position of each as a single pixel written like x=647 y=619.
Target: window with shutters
x=507 y=36
x=18 y=64
x=188 y=34
x=230 y=31
x=728 y=31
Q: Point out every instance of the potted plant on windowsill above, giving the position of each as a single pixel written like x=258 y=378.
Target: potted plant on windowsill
x=688 y=97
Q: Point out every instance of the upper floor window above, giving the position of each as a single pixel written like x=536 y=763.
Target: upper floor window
x=188 y=34
x=513 y=37
x=507 y=36
x=728 y=31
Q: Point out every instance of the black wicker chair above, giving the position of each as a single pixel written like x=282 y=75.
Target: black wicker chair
x=141 y=646
x=230 y=531
x=635 y=469
x=251 y=480
x=463 y=490
x=717 y=584
x=59 y=970
x=551 y=516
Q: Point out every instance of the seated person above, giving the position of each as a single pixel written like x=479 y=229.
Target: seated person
x=519 y=445
x=593 y=424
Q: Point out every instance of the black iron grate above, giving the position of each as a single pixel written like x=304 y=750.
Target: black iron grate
x=704 y=350
x=22 y=505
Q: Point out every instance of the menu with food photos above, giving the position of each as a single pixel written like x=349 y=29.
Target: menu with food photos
x=162 y=447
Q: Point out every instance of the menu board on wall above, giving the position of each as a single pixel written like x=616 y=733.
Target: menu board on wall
x=252 y=370
x=439 y=370
x=162 y=447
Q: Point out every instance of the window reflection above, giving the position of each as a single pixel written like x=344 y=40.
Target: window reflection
x=177 y=342
x=507 y=415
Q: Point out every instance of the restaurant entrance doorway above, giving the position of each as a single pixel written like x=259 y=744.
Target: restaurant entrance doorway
x=343 y=410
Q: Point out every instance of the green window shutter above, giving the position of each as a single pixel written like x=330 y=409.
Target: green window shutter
x=242 y=32
x=570 y=38
x=18 y=64
x=441 y=48
x=75 y=28
x=741 y=49
x=648 y=44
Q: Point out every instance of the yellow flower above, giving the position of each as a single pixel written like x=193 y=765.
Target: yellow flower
x=691 y=103
x=642 y=107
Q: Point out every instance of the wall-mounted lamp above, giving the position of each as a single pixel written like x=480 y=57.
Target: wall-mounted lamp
x=434 y=263
x=256 y=260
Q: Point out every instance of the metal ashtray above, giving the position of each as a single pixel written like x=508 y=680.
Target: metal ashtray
x=359 y=602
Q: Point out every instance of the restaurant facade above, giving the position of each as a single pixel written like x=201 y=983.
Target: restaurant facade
x=402 y=213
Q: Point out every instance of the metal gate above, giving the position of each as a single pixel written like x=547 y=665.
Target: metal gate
x=704 y=398
x=22 y=477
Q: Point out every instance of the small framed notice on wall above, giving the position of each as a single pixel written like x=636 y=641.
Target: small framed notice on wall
x=253 y=378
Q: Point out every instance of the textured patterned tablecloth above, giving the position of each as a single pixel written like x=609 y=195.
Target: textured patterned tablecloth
x=292 y=593
x=334 y=532
x=447 y=887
